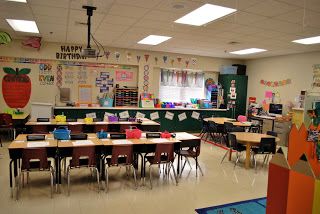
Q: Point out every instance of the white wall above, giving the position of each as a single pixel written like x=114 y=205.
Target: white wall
x=297 y=67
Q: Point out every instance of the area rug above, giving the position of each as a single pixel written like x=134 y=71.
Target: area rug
x=253 y=206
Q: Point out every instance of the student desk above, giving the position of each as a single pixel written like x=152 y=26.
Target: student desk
x=249 y=139
x=145 y=125
x=59 y=149
x=222 y=120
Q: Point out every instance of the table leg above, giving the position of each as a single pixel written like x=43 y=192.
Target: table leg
x=247 y=164
x=230 y=154
x=10 y=178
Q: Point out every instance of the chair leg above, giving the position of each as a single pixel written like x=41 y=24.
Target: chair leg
x=68 y=178
x=196 y=158
x=150 y=177
x=51 y=180
x=134 y=176
x=225 y=155
x=98 y=178
x=198 y=165
x=107 y=179
x=174 y=173
x=238 y=157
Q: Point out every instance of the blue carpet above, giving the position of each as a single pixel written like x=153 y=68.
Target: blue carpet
x=254 y=206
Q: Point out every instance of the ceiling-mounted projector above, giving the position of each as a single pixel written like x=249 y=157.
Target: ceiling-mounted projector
x=89 y=52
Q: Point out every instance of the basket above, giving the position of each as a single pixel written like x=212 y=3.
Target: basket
x=133 y=133
x=102 y=135
x=113 y=118
x=88 y=120
x=61 y=118
x=62 y=133
x=106 y=102
x=165 y=134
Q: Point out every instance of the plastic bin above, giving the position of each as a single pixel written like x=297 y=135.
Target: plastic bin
x=106 y=102
x=61 y=134
x=133 y=133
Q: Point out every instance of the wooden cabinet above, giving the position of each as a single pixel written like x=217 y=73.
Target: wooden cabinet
x=126 y=97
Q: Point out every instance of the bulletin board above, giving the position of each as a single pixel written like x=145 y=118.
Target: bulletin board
x=47 y=76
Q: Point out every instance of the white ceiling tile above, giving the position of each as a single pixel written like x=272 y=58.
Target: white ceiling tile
x=128 y=11
x=50 y=19
x=119 y=20
x=187 y=6
x=55 y=3
x=141 y=3
x=50 y=11
x=159 y=15
x=271 y=8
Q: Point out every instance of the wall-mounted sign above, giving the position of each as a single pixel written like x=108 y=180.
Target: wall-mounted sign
x=69 y=52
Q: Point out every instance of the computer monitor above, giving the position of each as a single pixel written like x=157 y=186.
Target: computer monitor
x=275 y=109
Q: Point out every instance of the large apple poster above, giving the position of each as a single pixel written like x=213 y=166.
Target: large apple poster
x=16 y=87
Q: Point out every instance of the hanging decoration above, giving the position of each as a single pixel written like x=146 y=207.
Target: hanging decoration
x=59 y=76
x=138 y=59
x=275 y=83
x=33 y=41
x=146 y=78
x=129 y=56
x=107 y=53
x=156 y=60
x=179 y=60
x=187 y=63
x=146 y=56
x=172 y=61
x=5 y=38
x=165 y=59
x=194 y=61
x=117 y=54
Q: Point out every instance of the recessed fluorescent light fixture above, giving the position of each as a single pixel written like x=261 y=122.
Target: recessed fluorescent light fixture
x=248 y=51
x=205 y=14
x=23 y=25
x=308 y=41
x=22 y=1
x=154 y=40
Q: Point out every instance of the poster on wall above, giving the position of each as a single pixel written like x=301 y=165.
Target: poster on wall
x=85 y=94
x=169 y=115
x=46 y=76
x=16 y=87
x=104 y=82
x=316 y=75
x=82 y=77
x=195 y=115
x=182 y=116
x=154 y=115
x=124 y=76
x=68 y=77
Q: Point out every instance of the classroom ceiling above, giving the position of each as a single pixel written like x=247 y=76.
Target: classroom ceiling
x=267 y=24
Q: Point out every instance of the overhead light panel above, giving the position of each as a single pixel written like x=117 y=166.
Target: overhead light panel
x=204 y=14
x=308 y=41
x=154 y=40
x=23 y=25
x=22 y=1
x=248 y=51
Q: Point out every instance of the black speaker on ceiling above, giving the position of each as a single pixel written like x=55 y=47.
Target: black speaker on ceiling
x=241 y=69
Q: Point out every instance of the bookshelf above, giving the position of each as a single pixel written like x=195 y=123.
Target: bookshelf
x=126 y=97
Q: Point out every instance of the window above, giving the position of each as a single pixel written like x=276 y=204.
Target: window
x=181 y=85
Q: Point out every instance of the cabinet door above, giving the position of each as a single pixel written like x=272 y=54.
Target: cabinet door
x=241 y=90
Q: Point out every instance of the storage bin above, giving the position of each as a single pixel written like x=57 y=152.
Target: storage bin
x=113 y=119
x=62 y=133
x=88 y=120
x=133 y=133
x=106 y=102
x=165 y=134
x=102 y=135
x=61 y=118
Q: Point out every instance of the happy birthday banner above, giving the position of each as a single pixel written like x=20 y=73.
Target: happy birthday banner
x=275 y=83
